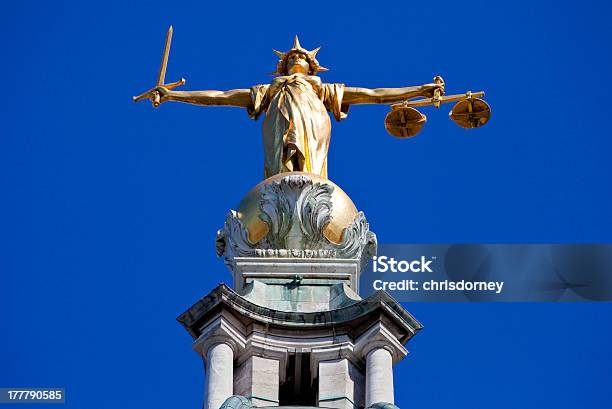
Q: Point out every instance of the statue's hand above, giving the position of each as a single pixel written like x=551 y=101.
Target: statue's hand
x=428 y=90
x=159 y=95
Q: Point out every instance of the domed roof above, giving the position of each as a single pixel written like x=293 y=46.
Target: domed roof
x=341 y=214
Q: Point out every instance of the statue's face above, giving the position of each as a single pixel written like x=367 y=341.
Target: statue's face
x=297 y=63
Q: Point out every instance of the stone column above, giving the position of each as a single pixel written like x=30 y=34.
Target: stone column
x=219 y=375
x=379 y=376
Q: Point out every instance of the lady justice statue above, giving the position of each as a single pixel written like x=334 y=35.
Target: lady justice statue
x=296 y=246
x=297 y=127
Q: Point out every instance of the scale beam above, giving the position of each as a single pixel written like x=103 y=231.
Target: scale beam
x=442 y=100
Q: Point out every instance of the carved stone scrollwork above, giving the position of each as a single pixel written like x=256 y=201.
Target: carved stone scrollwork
x=314 y=207
x=296 y=210
x=277 y=211
x=358 y=237
x=233 y=239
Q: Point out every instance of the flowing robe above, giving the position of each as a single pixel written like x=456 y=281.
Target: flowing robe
x=297 y=128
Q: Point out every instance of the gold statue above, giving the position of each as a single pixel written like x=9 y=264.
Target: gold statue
x=297 y=127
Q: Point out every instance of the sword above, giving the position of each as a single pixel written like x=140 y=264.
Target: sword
x=153 y=94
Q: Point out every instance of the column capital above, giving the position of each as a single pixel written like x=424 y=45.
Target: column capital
x=379 y=336
x=221 y=330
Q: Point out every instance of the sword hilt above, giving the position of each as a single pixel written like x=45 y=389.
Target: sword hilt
x=156 y=100
x=155 y=96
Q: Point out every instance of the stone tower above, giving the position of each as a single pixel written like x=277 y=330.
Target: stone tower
x=293 y=330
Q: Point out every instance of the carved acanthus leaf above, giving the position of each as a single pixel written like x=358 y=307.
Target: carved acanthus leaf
x=314 y=208
x=354 y=238
x=233 y=239
x=276 y=211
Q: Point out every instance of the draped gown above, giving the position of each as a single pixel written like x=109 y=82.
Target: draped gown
x=297 y=127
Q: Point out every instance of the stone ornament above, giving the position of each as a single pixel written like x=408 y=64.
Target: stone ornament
x=297 y=210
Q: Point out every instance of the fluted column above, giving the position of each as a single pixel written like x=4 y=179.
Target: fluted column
x=379 y=376
x=219 y=375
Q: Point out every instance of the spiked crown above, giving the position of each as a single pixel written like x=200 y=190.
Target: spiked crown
x=281 y=67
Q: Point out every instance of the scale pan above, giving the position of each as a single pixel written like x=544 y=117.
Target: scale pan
x=471 y=113
x=404 y=122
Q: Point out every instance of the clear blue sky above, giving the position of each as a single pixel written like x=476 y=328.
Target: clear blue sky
x=109 y=208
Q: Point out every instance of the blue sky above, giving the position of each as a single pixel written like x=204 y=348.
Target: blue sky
x=109 y=208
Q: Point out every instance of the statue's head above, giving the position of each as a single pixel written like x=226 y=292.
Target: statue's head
x=298 y=60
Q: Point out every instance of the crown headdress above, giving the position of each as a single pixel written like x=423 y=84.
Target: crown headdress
x=297 y=48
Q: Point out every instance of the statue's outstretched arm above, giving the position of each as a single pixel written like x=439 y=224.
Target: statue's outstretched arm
x=354 y=95
x=234 y=97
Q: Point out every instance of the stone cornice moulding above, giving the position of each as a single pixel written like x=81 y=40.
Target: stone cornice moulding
x=224 y=297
